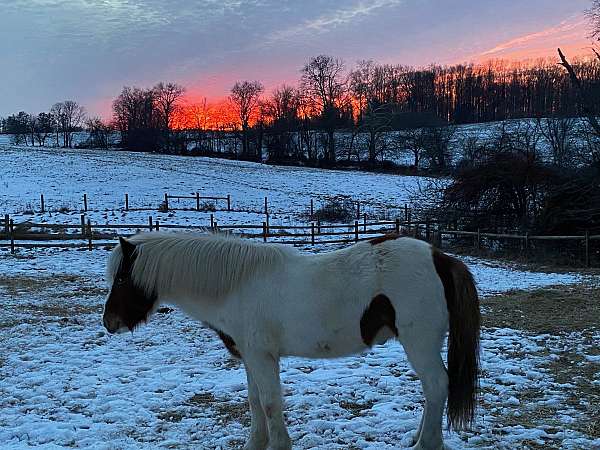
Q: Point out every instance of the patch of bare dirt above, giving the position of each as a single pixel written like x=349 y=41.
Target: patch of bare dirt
x=572 y=314
x=551 y=310
x=67 y=285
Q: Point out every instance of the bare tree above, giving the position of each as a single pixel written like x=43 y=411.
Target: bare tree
x=593 y=16
x=167 y=97
x=70 y=116
x=324 y=82
x=244 y=97
x=376 y=122
x=137 y=119
x=99 y=133
x=436 y=145
x=412 y=141
x=559 y=134
x=43 y=127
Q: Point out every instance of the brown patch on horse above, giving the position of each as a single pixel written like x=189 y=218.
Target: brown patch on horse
x=463 y=338
x=379 y=314
x=384 y=238
x=229 y=343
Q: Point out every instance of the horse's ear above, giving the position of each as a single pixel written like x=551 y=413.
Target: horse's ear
x=127 y=248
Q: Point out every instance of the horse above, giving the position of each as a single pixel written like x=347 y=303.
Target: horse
x=267 y=301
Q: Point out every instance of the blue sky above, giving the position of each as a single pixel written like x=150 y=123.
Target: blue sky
x=87 y=50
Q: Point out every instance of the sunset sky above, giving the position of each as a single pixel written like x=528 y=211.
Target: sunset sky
x=87 y=50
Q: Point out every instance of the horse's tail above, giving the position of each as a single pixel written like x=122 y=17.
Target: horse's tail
x=463 y=339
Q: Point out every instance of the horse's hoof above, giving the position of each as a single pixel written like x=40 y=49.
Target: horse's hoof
x=257 y=444
x=283 y=444
x=419 y=446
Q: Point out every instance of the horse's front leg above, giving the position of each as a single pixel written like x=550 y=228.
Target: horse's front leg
x=259 y=437
x=263 y=369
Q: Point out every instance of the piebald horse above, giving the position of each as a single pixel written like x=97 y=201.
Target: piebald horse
x=267 y=301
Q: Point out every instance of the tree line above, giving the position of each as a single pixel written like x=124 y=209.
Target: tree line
x=332 y=115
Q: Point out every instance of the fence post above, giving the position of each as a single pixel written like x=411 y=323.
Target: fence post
x=318 y=226
x=397 y=225
x=150 y=223
x=42 y=202
x=126 y=202
x=312 y=233
x=90 y=237
x=356 y=231
x=587 y=248
x=83 y=224
x=157 y=226
x=85 y=202
x=365 y=222
x=216 y=229
x=12 y=236
x=197 y=201
x=266 y=206
x=358 y=209
x=228 y=202
x=312 y=208
x=6 y=223
x=267 y=222
x=166 y=202
x=212 y=221
x=264 y=231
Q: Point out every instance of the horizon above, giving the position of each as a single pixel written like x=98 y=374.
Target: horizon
x=61 y=56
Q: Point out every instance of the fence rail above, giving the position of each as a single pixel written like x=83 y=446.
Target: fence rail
x=315 y=233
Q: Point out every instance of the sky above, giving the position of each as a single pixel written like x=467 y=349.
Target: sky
x=87 y=50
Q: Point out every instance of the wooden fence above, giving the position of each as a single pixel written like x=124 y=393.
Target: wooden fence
x=92 y=235
x=164 y=204
x=85 y=201
x=197 y=197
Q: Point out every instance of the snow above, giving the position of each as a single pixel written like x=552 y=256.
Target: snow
x=64 y=382
x=63 y=176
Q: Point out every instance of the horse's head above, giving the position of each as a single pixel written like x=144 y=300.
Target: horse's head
x=128 y=304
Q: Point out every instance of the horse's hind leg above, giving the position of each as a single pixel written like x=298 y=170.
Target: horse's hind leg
x=423 y=353
x=263 y=369
x=259 y=437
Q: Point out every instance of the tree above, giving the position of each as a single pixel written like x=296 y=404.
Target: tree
x=376 y=122
x=70 y=117
x=137 y=119
x=593 y=16
x=43 y=127
x=244 y=98
x=166 y=99
x=323 y=81
x=18 y=125
x=436 y=145
x=98 y=133
x=280 y=112
x=559 y=133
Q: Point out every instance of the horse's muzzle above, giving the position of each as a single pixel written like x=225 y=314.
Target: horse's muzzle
x=112 y=323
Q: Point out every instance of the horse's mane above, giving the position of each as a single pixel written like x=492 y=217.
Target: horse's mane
x=206 y=264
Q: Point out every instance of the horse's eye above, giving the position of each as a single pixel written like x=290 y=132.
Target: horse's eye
x=119 y=280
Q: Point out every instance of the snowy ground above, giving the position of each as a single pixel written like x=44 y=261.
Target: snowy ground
x=65 y=383
x=105 y=176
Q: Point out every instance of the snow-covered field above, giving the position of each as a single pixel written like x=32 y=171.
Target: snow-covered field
x=65 y=383
x=64 y=176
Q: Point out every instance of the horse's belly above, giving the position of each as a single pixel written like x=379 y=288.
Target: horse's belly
x=331 y=343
